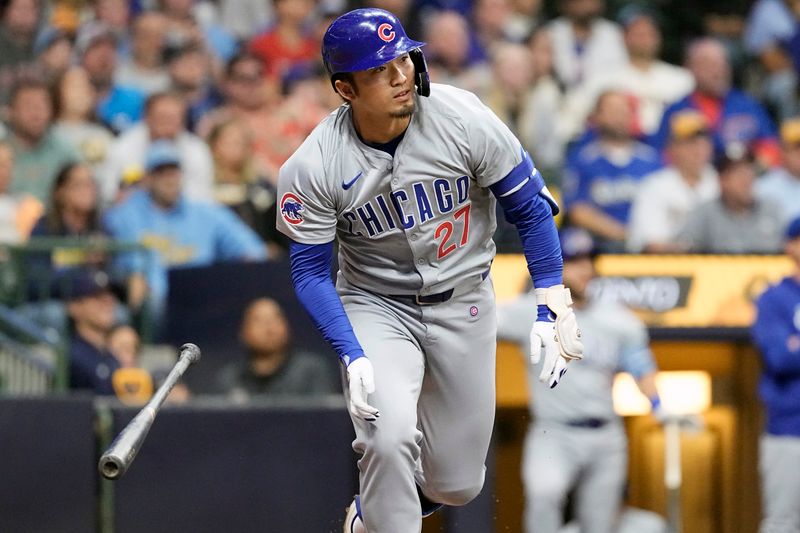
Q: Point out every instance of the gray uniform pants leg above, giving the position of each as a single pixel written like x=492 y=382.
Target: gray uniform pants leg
x=435 y=388
x=558 y=458
x=779 y=463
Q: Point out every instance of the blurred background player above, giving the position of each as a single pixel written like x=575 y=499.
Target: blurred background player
x=577 y=443
x=776 y=333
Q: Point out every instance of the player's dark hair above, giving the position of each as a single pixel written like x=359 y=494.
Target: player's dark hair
x=345 y=77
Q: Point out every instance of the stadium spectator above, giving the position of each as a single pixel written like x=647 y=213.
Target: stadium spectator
x=492 y=23
x=253 y=98
x=734 y=116
x=447 y=52
x=186 y=26
x=667 y=196
x=53 y=52
x=776 y=333
x=73 y=205
x=190 y=76
x=117 y=106
x=770 y=24
x=238 y=185
x=39 y=152
x=654 y=83
x=781 y=186
x=508 y=95
x=271 y=367
x=584 y=43
x=125 y=345
x=116 y=16
x=90 y=307
x=289 y=41
x=526 y=16
x=144 y=69
x=18 y=212
x=74 y=99
x=243 y=18
x=736 y=222
x=543 y=114
x=603 y=174
x=165 y=115
x=19 y=22
x=179 y=231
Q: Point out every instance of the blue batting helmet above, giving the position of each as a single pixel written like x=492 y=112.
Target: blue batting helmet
x=367 y=38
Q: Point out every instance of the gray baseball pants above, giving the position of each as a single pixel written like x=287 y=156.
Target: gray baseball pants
x=779 y=464
x=435 y=389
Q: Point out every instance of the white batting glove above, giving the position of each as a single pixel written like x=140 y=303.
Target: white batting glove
x=361 y=383
x=560 y=341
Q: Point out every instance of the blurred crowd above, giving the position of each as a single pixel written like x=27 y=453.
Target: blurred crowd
x=165 y=122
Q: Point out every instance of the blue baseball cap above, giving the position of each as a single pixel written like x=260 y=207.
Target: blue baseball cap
x=793 y=230
x=83 y=283
x=162 y=153
x=576 y=243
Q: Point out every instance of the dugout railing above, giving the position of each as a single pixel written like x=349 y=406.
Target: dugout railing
x=34 y=328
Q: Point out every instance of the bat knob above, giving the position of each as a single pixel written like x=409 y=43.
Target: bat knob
x=191 y=351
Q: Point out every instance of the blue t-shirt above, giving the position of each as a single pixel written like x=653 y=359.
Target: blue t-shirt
x=592 y=177
x=776 y=333
x=190 y=234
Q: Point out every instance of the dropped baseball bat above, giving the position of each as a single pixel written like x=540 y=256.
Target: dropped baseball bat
x=119 y=456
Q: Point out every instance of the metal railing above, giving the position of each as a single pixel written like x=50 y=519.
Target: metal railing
x=34 y=357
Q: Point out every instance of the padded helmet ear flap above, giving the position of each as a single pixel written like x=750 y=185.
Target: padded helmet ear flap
x=422 y=78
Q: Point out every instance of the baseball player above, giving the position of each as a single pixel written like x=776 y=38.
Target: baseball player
x=405 y=176
x=776 y=332
x=576 y=441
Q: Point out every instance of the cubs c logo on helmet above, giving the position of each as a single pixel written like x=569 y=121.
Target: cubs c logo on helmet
x=292 y=209
x=386 y=32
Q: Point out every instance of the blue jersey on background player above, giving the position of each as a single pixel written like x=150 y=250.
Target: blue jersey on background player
x=776 y=333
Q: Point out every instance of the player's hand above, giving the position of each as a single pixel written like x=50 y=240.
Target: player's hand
x=560 y=340
x=361 y=382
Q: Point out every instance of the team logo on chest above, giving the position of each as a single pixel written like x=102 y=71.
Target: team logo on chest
x=386 y=32
x=291 y=209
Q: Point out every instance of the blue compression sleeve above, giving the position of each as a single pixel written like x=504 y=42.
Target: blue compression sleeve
x=311 y=275
x=525 y=205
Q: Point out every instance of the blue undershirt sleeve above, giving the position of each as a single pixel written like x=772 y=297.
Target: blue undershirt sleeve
x=311 y=267
x=530 y=208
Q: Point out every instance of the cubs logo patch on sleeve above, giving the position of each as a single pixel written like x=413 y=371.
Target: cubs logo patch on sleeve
x=292 y=209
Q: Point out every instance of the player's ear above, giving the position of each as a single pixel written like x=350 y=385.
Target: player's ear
x=346 y=89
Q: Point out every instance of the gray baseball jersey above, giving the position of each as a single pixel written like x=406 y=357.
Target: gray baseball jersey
x=615 y=341
x=576 y=439
x=414 y=223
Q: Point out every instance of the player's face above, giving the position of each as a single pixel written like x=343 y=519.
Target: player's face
x=387 y=89
x=578 y=272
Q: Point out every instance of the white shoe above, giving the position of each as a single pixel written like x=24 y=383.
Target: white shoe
x=352 y=522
